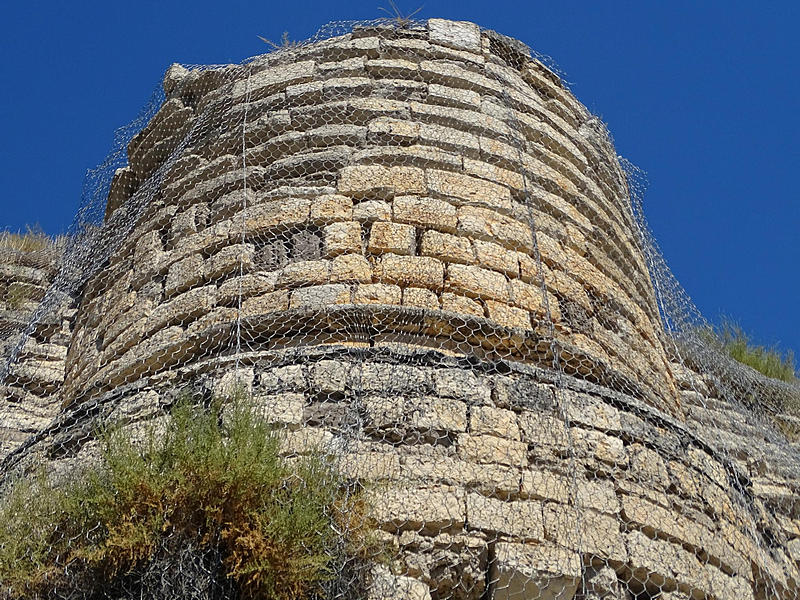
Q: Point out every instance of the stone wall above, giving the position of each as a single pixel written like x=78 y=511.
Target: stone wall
x=29 y=392
x=506 y=476
x=415 y=250
x=409 y=169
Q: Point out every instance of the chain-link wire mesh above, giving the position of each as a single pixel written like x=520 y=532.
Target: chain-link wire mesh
x=378 y=315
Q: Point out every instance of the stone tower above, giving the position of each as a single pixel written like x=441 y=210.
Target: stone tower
x=416 y=249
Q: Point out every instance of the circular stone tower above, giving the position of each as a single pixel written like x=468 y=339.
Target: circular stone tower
x=415 y=249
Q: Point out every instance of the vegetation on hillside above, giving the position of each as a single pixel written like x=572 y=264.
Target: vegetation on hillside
x=211 y=480
x=769 y=361
x=31 y=240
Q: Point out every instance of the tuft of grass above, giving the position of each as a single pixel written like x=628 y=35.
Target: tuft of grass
x=768 y=361
x=32 y=240
x=401 y=19
x=213 y=479
x=284 y=44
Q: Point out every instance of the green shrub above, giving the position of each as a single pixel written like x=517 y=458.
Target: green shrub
x=213 y=479
x=768 y=361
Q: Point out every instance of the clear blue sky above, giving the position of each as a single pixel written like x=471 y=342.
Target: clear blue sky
x=704 y=96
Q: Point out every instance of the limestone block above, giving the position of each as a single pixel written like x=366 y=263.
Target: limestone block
x=421 y=298
x=148 y=252
x=491 y=480
x=283 y=409
x=661 y=562
x=331 y=208
x=462 y=384
x=493 y=256
x=320 y=296
x=375 y=180
x=388 y=68
x=591 y=412
x=494 y=421
x=183 y=308
x=218 y=317
x=304 y=440
x=476 y=282
x=451 y=75
x=584 y=530
x=235 y=385
x=490 y=449
x=603 y=447
x=647 y=466
x=369 y=466
x=246 y=286
x=303 y=273
x=529 y=296
x=486 y=224
x=519 y=519
x=794 y=550
x=183 y=275
x=417 y=271
x=455 y=34
x=368 y=211
x=282 y=379
x=431 y=509
x=391 y=237
x=342 y=238
x=493 y=173
x=542 y=571
x=386 y=586
x=234 y=259
x=351 y=268
x=377 y=293
x=275 y=215
x=389 y=131
x=446 y=247
x=468 y=189
x=449 y=138
x=547 y=434
x=461 y=304
x=390 y=379
x=330 y=376
x=458 y=98
x=265 y=304
x=263 y=83
x=426 y=413
x=425 y=212
x=508 y=316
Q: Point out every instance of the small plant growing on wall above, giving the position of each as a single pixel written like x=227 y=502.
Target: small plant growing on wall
x=209 y=495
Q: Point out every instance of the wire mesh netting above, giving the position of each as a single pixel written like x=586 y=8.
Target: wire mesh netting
x=378 y=315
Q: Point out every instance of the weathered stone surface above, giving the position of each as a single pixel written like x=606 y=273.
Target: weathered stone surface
x=183 y=275
x=476 y=282
x=387 y=586
x=392 y=237
x=490 y=449
x=416 y=271
x=432 y=509
x=349 y=268
x=535 y=571
x=468 y=189
x=456 y=34
x=375 y=180
x=342 y=238
x=377 y=293
x=320 y=296
x=446 y=247
x=586 y=531
x=425 y=212
x=521 y=519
